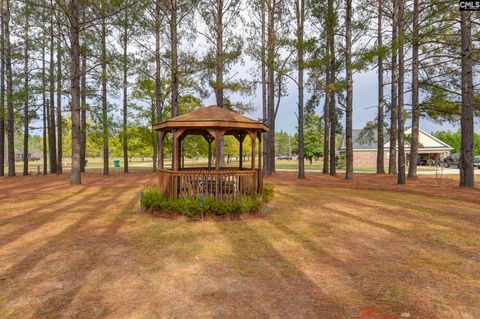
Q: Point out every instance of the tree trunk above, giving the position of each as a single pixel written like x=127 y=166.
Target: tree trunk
x=219 y=54
x=467 y=128
x=300 y=4
x=326 y=114
x=264 y=80
x=349 y=109
x=326 y=124
x=174 y=57
x=158 y=79
x=401 y=179
x=219 y=94
x=10 y=117
x=104 y=96
x=44 y=103
x=83 y=105
x=332 y=110
x=26 y=92
x=125 y=90
x=75 y=176
x=2 y=93
x=154 y=136
x=59 y=104
x=271 y=4
x=412 y=169
x=381 y=99
x=52 y=140
x=392 y=162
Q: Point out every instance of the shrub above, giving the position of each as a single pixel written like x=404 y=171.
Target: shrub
x=189 y=207
x=250 y=205
x=268 y=192
x=154 y=200
x=220 y=208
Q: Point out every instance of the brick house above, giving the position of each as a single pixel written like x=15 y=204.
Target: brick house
x=365 y=147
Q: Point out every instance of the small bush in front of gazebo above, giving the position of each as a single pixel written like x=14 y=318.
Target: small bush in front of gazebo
x=156 y=202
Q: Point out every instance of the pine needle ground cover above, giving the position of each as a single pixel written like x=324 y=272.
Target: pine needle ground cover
x=326 y=248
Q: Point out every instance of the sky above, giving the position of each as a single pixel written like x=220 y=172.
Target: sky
x=365 y=95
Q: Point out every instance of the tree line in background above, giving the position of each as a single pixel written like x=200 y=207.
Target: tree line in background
x=110 y=69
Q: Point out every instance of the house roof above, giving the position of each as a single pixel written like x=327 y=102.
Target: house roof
x=367 y=140
x=211 y=117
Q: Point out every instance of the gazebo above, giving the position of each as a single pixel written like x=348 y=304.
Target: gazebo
x=223 y=183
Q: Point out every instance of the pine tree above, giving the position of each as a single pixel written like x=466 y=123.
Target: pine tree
x=26 y=110
x=52 y=134
x=9 y=78
x=59 y=102
x=467 y=177
x=75 y=74
x=401 y=91
x=124 y=28
x=349 y=102
x=381 y=98
x=2 y=92
x=331 y=24
x=300 y=14
x=392 y=162
x=271 y=6
x=412 y=168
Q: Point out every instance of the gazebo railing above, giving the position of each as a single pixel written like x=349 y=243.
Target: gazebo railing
x=226 y=184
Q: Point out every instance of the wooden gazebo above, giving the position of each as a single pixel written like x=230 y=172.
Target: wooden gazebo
x=227 y=183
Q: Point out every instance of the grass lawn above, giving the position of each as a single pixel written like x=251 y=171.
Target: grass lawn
x=325 y=248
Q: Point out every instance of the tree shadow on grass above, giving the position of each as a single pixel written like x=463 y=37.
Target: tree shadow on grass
x=440 y=208
x=356 y=272
x=40 y=218
x=78 y=236
x=20 y=218
x=59 y=303
x=274 y=286
x=418 y=237
x=21 y=185
x=56 y=242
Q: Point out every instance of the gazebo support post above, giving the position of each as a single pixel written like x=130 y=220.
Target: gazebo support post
x=176 y=158
x=260 y=173
x=209 y=155
x=218 y=146
x=259 y=136
x=253 y=136
x=161 y=164
x=177 y=150
x=240 y=138
x=182 y=156
x=218 y=134
x=209 y=140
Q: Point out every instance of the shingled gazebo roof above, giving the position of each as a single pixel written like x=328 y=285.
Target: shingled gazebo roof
x=211 y=117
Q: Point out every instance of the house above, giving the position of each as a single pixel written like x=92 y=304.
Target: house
x=365 y=147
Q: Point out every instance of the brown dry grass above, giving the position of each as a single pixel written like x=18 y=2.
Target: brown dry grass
x=326 y=248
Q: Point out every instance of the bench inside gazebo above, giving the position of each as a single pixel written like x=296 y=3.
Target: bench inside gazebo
x=223 y=183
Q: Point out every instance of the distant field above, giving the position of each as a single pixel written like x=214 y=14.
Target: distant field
x=95 y=164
